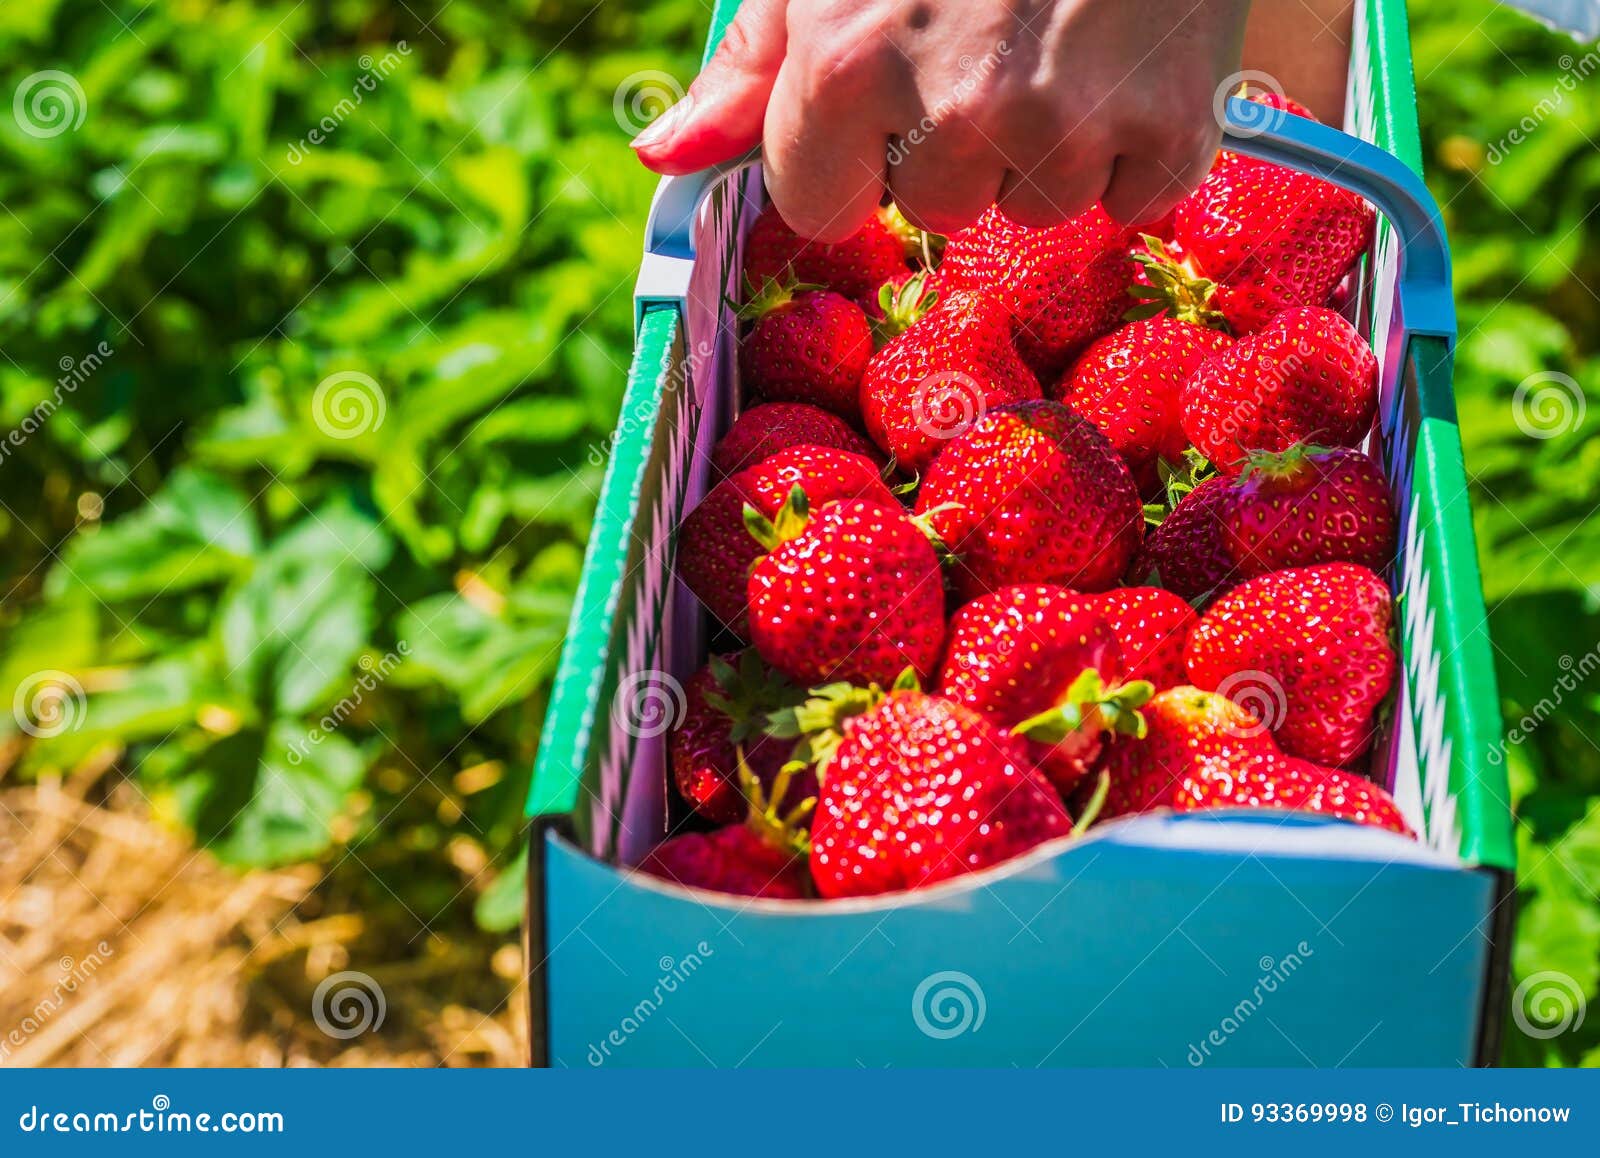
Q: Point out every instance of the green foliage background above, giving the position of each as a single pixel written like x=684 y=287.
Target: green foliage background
x=220 y=572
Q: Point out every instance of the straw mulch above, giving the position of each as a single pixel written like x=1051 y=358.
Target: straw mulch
x=121 y=945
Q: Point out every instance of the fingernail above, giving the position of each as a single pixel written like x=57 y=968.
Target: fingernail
x=663 y=126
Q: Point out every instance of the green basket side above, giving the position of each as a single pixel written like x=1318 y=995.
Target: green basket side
x=1383 y=48
x=587 y=658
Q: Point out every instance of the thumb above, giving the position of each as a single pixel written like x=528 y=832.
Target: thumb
x=721 y=116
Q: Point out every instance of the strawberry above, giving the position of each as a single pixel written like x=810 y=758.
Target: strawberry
x=1152 y=626
x=855 y=267
x=725 y=705
x=1171 y=285
x=1033 y=493
x=1307 y=375
x=930 y=384
x=1040 y=661
x=1128 y=384
x=1066 y=285
x=1335 y=792
x=766 y=856
x=805 y=345
x=716 y=552
x=1309 y=505
x=849 y=591
x=1186 y=554
x=1317 y=640
x=762 y=431
x=916 y=789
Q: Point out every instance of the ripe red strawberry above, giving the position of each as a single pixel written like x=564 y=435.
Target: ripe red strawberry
x=716 y=552
x=1317 y=639
x=762 y=431
x=1309 y=505
x=766 y=856
x=1066 y=285
x=726 y=704
x=1291 y=234
x=930 y=384
x=1152 y=626
x=805 y=346
x=1186 y=554
x=1128 y=384
x=1170 y=284
x=849 y=591
x=1041 y=662
x=1033 y=493
x=854 y=267
x=1308 y=376
x=916 y=789
x=1335 y=792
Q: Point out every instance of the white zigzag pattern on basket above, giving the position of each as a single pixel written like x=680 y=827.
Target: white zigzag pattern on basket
x=1427 y=705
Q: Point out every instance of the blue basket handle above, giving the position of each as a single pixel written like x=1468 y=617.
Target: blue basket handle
x=1424 y=297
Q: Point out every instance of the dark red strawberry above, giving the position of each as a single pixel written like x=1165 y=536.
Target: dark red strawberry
x=930 y=384
x=726 y=704
x=766 y=856
x=1309 y=505
x=1152 y=626
x=805 y=346
x=1033 y=493
x=850 y=590
x=1040 y=661
x=1307 y=377
x=916 y=789
x=762 y=431
x=1066 y=285
x=855 y=267
x=1317 y=640
x=1186 y=554
x=716 y=552
x=1128 y=384
x=1171 y=285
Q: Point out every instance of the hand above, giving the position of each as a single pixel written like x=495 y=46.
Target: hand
x=1046 y=106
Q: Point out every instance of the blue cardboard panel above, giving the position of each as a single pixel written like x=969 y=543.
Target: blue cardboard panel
x=1161 y=941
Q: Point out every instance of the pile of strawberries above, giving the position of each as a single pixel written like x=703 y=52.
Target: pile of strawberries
x=1067 y=523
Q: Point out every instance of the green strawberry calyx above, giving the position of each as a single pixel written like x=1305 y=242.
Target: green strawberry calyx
x=902 y=306
x=924 y=523
x=788 y=524
x=785 y=831
x=818 y=722
x=1282 y=464
x=1176 y=288
x=748 y=692
x=1177 y=480
x=920 y=245
x=1091 y=706
x=770 y=296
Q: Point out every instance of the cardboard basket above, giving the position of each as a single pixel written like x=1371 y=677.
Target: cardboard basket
x=1226 y=938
